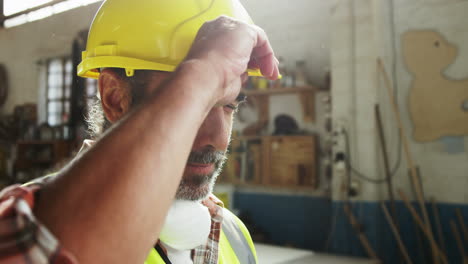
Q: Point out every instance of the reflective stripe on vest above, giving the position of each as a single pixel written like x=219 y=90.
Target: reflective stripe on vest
x=237 y=240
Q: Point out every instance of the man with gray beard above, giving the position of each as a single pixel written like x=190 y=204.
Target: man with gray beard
x=141 y=192
x=198 y=186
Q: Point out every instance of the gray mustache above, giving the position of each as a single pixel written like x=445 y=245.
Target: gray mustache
x=206 y=156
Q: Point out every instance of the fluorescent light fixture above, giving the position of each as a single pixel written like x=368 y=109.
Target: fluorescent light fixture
x=65 y=6
x=39 y=14
x=11 y=7
x=16 y=21
x=15 y=6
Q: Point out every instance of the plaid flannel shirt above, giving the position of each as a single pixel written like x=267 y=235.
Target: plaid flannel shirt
x=24 y=240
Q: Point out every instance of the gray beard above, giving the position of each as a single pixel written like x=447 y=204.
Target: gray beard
x=199 y=187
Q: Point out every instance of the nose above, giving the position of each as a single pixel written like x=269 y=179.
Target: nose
x=215 y=131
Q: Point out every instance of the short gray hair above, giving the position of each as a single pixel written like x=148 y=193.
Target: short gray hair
x=96 y=119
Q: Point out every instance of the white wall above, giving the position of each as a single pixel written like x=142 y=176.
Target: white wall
x=353 y=46
x=298 y=30
x=357 y=41
x=23 y=46
x=445 y=175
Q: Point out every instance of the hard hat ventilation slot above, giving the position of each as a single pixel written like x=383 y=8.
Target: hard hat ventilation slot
x=129 y=72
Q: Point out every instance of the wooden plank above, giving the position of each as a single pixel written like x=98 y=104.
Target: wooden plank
x=458 y=239
x=255 y=156
x=307 y=100
x=396 y=233
x=292 y=160
x=426 y=230
x=362 y=237
x=2 y=16
x=435 y=212
x=417 y=184
x=461 y=221
x=266 y=177
x=274 y=91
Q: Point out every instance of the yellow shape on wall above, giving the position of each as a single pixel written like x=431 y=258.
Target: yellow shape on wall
x=438 y=105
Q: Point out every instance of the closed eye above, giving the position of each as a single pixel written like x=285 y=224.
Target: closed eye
x=241 y=98
x=234 y=107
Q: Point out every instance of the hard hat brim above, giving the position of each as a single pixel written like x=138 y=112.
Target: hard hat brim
x=88 y=68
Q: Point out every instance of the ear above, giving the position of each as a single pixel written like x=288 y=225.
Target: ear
x=115 y=95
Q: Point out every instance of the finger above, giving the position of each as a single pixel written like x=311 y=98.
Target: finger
x=244 y=78
x=268 y=67
x=263 y=54
x=276 y=73
x=253 y=64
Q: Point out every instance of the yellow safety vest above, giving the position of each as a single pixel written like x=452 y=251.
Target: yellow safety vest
x=235 y=244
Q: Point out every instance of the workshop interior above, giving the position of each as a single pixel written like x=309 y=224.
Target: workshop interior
x=358 y=154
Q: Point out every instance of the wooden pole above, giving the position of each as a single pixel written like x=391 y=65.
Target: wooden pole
x=388 y=173
x=396 y=233
x=423 y=227
x=435 y=211
x=362 y=237
x=2 y=16
x=458 y=238
x=461 y=221
x=414 y=176
x=383 y=145
x=418 y=173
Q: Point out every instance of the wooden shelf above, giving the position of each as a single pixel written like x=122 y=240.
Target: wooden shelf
x=36 y=156
x=285 y=90
x=276 y=186
x=246 y=138
x=275 y=162
x=36 y=142
x=41 y=161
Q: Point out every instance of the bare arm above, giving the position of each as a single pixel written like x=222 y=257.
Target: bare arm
x=109 y=206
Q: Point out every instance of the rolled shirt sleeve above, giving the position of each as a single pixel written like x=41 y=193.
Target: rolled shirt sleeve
x=23 y=239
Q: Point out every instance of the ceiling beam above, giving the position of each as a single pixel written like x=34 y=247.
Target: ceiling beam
x=2 y=16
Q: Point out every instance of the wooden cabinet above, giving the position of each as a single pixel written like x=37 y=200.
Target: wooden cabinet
x=289 y=160
x=306 y=96
x=273 y=161
x=35 y=157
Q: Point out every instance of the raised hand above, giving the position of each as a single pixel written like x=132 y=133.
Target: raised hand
x=229 y=47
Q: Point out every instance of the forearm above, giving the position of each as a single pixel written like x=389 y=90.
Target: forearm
x=109 y=206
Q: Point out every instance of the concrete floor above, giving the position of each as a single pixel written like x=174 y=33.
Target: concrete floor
x=268 y=254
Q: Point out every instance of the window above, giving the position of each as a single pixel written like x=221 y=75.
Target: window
x=59 y=78
x=17 y=12
x=59 y=98
x=90 y=91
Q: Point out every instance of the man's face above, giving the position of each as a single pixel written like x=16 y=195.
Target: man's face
x=209 y=148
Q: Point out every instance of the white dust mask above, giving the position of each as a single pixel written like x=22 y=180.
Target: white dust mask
x=187 y=225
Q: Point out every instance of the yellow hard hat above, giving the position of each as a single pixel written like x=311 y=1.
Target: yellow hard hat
x=150 y=34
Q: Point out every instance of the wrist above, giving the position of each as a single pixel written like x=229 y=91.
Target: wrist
x=202 y=78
